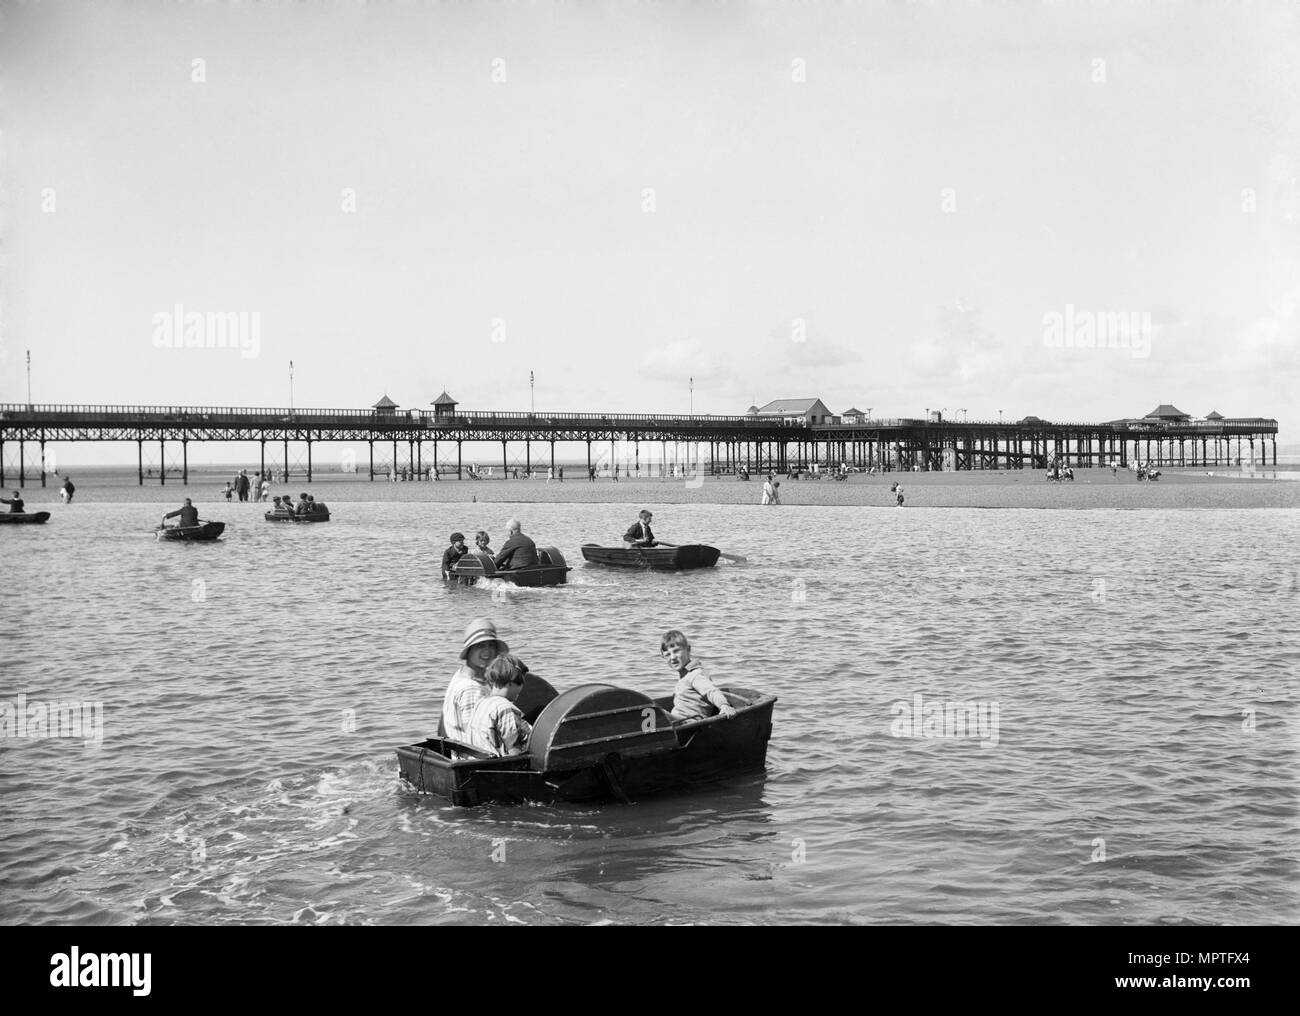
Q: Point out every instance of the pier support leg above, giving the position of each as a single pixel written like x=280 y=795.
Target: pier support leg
x=22 y=467
x=505 y=466
x=371 y=443
x=589 y=458
x=286 y=460
x=43 y=469
x=185 y=464
x=309 y=458
x=139 y=461
x=419 y=458
x=2 y=463
x=458 y=458
x=162 y=463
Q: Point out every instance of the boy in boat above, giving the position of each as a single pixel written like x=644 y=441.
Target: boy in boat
x=497 y=725
x=695 y=695
x=188 y=513
x=639 y=533
x=467 y=686
x=481 y=541
x=454 y=553
x=15 y=503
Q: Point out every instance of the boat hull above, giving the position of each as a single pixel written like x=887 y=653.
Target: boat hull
x=203 y=533
x=683 y=558
x=25 y=518
x=699 y=751
x=313 y=517
x=550 y=570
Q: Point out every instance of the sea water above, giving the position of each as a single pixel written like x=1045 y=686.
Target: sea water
x=984 y=716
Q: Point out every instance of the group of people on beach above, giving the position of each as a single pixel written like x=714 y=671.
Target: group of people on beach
x=519 y=551
x=479 y=708
x=243 y=487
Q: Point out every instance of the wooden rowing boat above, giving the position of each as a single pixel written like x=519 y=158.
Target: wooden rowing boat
x=202 y=532
x=550 y=569
x=665 y=557
x=31 y=518
x=598 y=742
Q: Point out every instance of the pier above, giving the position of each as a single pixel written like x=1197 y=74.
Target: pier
x=722 y=444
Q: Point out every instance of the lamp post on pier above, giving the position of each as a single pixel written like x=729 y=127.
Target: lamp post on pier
x=532 y=407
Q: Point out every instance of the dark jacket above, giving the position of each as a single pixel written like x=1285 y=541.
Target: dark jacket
x=188 y=513
x=449 y=557
x=635 y=534
x=518 y=552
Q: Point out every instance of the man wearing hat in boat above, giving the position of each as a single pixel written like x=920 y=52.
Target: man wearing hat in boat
x=639 y=534
x=468 y=685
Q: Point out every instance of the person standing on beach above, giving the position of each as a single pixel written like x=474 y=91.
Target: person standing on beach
x=67 y=490
x=898 y=493
x=769 y=492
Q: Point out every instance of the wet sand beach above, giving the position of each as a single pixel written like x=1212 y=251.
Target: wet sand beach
x=1091 y=489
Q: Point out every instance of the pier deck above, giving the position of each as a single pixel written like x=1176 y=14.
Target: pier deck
x=753 y=443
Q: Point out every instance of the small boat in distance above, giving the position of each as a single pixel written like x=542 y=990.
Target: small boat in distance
x=319 y=513
x=550 y=569
x=598 y=742
x=664 y=557
x=31 y=518
x=204 y=531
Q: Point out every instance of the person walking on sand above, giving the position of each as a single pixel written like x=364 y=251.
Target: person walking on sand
x=769 y=492
x=898 y=493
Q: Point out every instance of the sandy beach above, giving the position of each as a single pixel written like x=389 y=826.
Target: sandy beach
x=1091 y=489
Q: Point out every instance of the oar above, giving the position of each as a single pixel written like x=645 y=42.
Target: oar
x=733 y=558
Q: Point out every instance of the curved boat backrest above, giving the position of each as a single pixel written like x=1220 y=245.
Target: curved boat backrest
x=551 y=557
x=536 y=694
x=484 y=562
x=587 y=723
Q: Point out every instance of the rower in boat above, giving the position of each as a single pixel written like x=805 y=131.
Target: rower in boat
x=639 y=533
x=15 y=503
x=189 y=515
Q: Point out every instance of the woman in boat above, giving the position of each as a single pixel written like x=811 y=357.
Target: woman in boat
x=481 y=542
x=15 y=503
x=467 y=686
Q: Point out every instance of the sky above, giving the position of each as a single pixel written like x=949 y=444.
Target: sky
x=655 y=207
